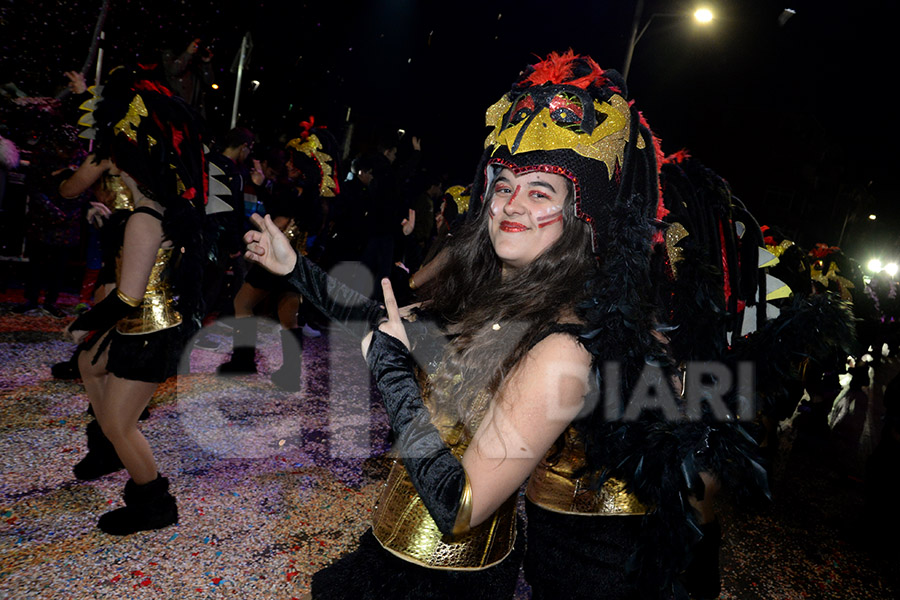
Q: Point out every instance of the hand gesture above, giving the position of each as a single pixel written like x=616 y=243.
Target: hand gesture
x=269 y=247
x=394 y=325
x=256 y=173
x=97 y=213
x=409 y=223
x=76 y=335
x=416 y=143
x=76 y=83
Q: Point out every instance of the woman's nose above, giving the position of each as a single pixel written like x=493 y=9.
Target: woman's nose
x=514 y=205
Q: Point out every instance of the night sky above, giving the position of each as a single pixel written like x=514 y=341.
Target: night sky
x=797 y=117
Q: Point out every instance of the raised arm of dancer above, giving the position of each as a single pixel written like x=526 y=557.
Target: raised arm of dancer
x=84 y=177
x=542 y=395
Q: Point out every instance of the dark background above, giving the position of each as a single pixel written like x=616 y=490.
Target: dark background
x=797 y=117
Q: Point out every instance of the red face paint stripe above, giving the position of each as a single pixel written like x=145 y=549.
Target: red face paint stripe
x=514 y=194
x=558 y=218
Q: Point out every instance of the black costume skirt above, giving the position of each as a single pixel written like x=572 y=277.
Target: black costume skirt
x=371 y=572
x=579 y=557
x=261 y=279
x=151 y=357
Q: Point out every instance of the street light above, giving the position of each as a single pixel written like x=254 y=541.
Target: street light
x=704 y=16
x=874 y=265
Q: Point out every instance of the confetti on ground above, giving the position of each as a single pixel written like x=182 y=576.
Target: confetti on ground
x=272 y=486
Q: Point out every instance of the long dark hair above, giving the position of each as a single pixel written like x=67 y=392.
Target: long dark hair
x=495 y=320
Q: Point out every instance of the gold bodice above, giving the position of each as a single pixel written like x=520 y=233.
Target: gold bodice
x=157 y=310
x=297 y=237
x=119 y=195
x=403 y=526
x=558 y=485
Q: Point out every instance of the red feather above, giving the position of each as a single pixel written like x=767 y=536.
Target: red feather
x=557 y=68
x=677 y=157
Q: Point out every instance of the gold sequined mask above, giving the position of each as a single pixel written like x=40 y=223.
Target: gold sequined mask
x=562 y=118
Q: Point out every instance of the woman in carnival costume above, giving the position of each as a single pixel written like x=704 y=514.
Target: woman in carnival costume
x=133 y=338
x=499 y=338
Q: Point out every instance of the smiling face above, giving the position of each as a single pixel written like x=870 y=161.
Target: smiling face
x=525 y=215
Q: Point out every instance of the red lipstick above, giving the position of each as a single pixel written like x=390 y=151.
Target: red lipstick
x=512 y=226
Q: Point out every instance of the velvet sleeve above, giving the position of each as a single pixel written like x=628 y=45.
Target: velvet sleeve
x=354 y=313
x=437 y=475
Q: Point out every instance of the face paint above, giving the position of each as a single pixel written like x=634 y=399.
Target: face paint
x=530 y=209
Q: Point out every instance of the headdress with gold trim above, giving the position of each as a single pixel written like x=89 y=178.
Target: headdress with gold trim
x=568 y=116
x=320 y=169
x=151 y=134
x=157 y=138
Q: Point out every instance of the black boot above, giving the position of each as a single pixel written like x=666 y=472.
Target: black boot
x=701 y=578
x=288 y=376
x=243 y=357
x=67 y=369
x=101 y=458
x=147 y=506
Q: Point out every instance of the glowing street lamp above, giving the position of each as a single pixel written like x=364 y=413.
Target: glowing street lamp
x=873 y=217
x=874 y=265
x=702 y=15
x=891 y=268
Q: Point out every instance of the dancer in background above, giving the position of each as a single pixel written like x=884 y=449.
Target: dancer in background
x=135 y=335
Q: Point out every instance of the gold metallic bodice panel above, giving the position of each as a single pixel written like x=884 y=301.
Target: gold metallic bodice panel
x=157 y=310
x=119 y=193
x=403 y=526
x=555 y=486
x=297 y=237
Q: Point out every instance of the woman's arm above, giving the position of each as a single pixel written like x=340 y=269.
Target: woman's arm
x=538 y=401
x=143 y=237
x=540 y=398
x=89 y=172
x=268 y=247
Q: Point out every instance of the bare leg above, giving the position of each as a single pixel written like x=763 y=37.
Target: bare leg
x=246 y=300
x=93 y=372
x=288 y=307
x=118 y=412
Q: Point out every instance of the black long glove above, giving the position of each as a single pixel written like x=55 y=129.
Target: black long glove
x=437 y=475
x=104 y=314
x=354 y=313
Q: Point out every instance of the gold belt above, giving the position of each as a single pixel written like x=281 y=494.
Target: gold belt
x=402 y=526
x=560 y=493
x=155 y=313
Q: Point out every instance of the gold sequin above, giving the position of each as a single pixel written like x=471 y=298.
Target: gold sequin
x=780 y=248
x=674 y=234
x=132 y=119
x=157 y=309
x=606 y=143
x=556 y=487
x=311 y=146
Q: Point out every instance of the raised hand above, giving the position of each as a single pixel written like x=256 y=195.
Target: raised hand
x=394 y=325
x=76 y=83
x=269 y=247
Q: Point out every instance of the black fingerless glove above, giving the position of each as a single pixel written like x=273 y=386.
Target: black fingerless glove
x=437 y=475
x=104 y=314
x=354 y=313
